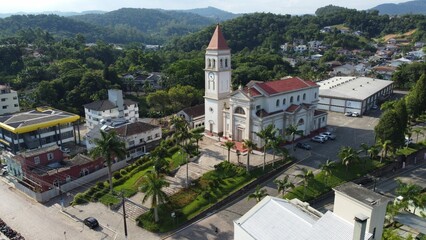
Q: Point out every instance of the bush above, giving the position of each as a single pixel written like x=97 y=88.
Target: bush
x=79 y=199
x=116 y=175
x=96 y=196
x=100 y=185
x=123 y=172
x=173 y=150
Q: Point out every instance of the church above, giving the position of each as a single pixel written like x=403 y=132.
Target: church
x=238 y=115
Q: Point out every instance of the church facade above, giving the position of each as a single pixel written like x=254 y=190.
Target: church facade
x=240 y=114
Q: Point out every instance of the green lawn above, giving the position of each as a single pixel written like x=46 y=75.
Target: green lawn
x=322 y=184
x=177 y=159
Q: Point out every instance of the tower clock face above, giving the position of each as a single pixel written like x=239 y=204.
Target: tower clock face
x=211 y=76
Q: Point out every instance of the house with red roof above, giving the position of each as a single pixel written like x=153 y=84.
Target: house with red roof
x=240 y=114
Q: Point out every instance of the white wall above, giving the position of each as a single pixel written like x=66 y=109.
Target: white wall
x=240 y=234
x=9 y=102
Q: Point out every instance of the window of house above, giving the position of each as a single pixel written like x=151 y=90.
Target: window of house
x=50 y=156
x=226 y=62
x=277 y=103
x=257 y=107
x=298 y=98
x=37 y=160
x=14 y=98
x=149 y=138
x=284 y=101
x=4 y=107
x=315 y=96
x=157 y=135
x=221 y=63
x=141 y=140
x=3 y=99
x=239 y=110
x=291 y=99
x=16 y=105
x=304 y=96
x=131 y=143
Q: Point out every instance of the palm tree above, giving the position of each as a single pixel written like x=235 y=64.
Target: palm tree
x=197 y=137
x=373 y=151
x=159 y=157
x=249 y=145
x=107 y=147
x=152 y=187
x=408 y=191
x=364 y=148
x=347 y=155
x=418 y=131
x=306 y=176
x=238 y=156
x=327 y=168
x=275 y=145
x=267 y=134
x=385 y=148
x=283 y=185
x=293 y=131
x=229 y=145
x=258 y=194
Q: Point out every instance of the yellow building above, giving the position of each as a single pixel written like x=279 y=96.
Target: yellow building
x=37 y=128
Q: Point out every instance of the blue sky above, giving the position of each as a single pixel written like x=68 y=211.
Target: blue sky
x=235 y=6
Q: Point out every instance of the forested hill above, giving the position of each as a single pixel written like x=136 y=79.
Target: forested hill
x=214 y=13
x=62 y=27
x=411 y=7
x=159 y=24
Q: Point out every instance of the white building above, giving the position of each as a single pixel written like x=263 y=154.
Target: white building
x=300 y=48
x=359 y=215
x=194 y=116
x=239 y=114
x=139 y=137
x=114 y=108
x=9 y=102
x=352 y=94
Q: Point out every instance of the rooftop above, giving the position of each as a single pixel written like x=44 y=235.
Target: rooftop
x=38 y=151
x=358 y=88
x=195 y=111
x=218 y=42
x=42 y=117
x=365 y=196
x=282 y=85
x=103 y=105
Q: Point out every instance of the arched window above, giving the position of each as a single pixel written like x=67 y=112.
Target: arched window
x=239 y=110
x=315 y=96
x=221 y=63
x=210 y=63
x=284 y=101
x=277 y=103
x=214 y=63
x=304 y=96
x=226 y=62
x=291 y=99
x=301 y=122
x=298 y=98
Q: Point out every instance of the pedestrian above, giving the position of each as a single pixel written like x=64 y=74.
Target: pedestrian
x=216 y=230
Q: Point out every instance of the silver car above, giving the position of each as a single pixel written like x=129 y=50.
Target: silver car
x=329 y=135
x=319 y=139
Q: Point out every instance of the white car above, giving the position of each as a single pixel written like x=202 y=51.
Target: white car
x=329 y=135
x=355 y=114
x=349 y=114
x=319 y=139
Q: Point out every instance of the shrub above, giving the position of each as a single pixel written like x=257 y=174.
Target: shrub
x=100 y=185
x=123 y=172
x=116 y=175
x=90 y=191
x=79 y=199
x=96 y=196
x=173 y=150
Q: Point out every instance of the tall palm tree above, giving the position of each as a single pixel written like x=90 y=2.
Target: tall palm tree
x=152 y=187
x=347 y=155
x=275 y=145
x=306 y=176
x=283 y=185
x=417 y=131
x=293 y=131
x=327 y=168
x=258 y=194
x=159 y=157
x=197 y=137
x=108 y=147
x=266 y=134
x=229 y=145
x=385 y=148
x=373 y=151
x=249 y=145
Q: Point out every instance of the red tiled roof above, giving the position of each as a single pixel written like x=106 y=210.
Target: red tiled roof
x=218 y=42
x=318 y=112
x=384 y=68
x=252 y=92
x=285 y=85
x=292 y=108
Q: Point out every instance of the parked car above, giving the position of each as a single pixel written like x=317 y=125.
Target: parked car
x=319 y=139
x=91 y=222
x=329 y=135
x=355 y=114
x=348 y=114
x=3 y=171
x=303 y=146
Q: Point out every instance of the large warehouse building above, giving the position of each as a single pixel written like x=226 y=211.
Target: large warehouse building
x=352 y=94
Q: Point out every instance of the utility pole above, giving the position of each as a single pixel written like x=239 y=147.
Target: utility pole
x=124 y=215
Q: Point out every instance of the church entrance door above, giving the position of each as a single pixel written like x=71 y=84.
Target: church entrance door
x=239 y=135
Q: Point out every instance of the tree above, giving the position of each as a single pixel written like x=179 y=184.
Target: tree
x=159 y=157
x=293 y=131
x=347 y=155
x=385 y=147
x=248 y=145
x=365 y=148
x=373 y=151
x=306 y=176
x=229 y=145
x=275 y=145
x=107 y=147
x=152 y=187
x=417 y=131
x=258 y=194
x=419 y=201
x=283 y=185
x=390 y=128
x=409 y=192
x=267 y=134
x=197 y=137
x=327 y=168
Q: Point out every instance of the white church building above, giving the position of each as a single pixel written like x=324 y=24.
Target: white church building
x=239 y=114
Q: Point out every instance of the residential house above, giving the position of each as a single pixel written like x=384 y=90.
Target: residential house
x=38 y=128
x=300 y=48
x=344 y=70
x=45 y=168
x=139 y=137
x=384 y=71
x=114 y=108
x=194 y=116
x=9 y=102
x=314 y=45
x=398 y=62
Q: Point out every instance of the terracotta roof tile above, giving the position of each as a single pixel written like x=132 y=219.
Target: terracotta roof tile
x=252 y=92
x=133 y=128
x=285 y=85
x=292 y=108
x=218 y=42
x=195 y=111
